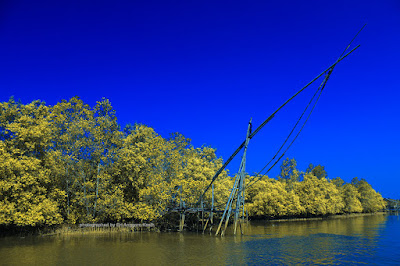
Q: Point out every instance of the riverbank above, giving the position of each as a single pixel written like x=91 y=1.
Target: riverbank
x=103 y=228
x=334 y=216
x=77 y=229
x=144 y=227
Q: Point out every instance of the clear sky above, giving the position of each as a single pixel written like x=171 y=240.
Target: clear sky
x=203 y=68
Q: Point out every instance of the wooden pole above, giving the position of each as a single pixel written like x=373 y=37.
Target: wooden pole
x=212 y=205
x=270 y=118
x=237 y=191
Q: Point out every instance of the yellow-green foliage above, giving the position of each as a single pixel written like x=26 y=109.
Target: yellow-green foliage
x=72 y=163
x=27 y=195
x=153 y=168
x=288 y=196
x=269 y=197
x=371 y=201
x=319 y=196
x=351 y=198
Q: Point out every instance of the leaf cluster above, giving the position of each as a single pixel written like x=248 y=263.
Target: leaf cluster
x=314 y=195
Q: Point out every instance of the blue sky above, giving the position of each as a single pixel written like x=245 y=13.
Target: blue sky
x=203 y=68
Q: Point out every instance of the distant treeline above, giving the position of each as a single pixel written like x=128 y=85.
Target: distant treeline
x=310 y=193
x=72 y=163
x=393 y=204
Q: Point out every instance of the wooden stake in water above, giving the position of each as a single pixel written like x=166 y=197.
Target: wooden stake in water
x=236 y=197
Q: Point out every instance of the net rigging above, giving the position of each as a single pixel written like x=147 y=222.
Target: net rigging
x=235 y=203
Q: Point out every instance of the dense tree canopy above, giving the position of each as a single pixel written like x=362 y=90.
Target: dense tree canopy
x=71 y=163
x=313 y=195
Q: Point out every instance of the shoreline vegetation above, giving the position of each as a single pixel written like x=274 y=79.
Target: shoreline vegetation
x=72 y=164
x=73 y=230
x=333 y=216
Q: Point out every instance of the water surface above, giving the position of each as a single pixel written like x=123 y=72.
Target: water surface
x=371 y=240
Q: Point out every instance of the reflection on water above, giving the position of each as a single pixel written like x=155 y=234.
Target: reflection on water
x=365 y=226
x=371 y=239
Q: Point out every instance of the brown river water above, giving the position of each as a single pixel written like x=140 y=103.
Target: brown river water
x=366 y=240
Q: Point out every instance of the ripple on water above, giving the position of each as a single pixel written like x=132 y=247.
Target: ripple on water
x=351 y=241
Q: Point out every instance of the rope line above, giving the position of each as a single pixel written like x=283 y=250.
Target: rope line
x=291 y=132
x=320 y=89
x=269 y=119
x=327 y=72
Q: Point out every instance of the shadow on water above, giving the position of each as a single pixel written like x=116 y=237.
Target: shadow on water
x=364 y=239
